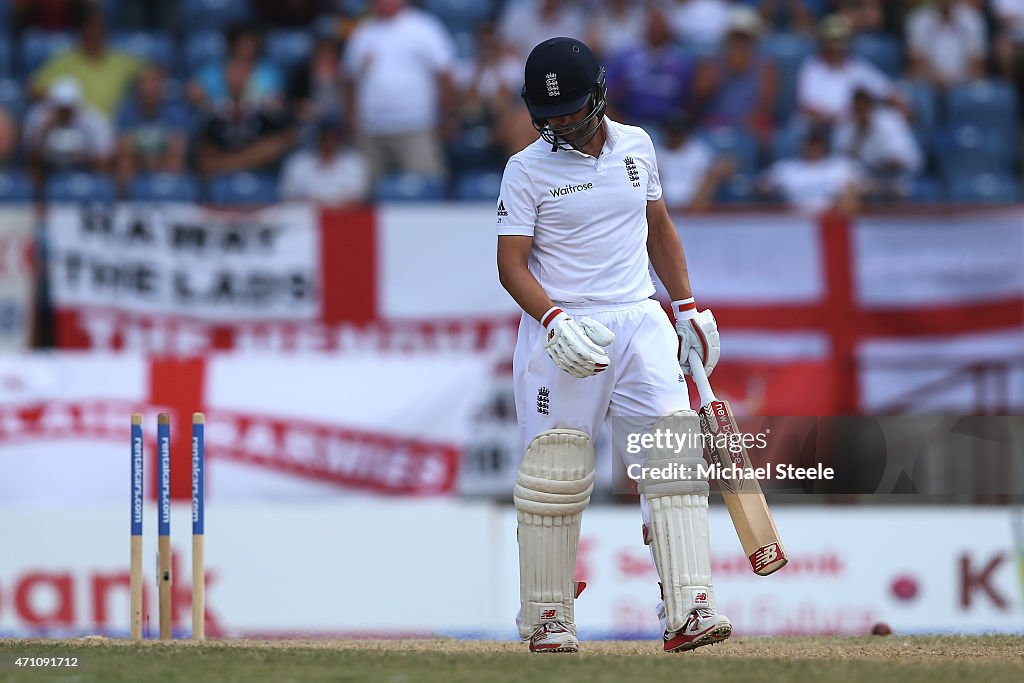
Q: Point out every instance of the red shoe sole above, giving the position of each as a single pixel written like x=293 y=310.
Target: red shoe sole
x=712 y=637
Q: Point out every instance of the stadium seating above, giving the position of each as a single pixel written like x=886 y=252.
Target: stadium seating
x=5 y=55
x=12 y=99
x=788 y=51
x=971 y=149
x=988 y=104
x=409 y=187
x=738 y=144
x=460 y=15
x=14 y=187
x=988 y=188
x=214 y=14
x=151 y=47
x=741 y=188
x=472 y=150
x=243 y=188
x=289 y=48
x=39 y=46
x=481 y=186
x=922 y=100
x=165 y=187
x=884 y=51
x=79 y=187
x=924 y=190
x=202 y=47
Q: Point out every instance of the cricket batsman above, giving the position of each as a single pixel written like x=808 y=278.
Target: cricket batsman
x=580 y=220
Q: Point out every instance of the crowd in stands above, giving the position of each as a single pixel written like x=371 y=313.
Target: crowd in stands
x=811 y=103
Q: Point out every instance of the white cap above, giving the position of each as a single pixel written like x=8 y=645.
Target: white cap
x=65 y=92
x=744 y=20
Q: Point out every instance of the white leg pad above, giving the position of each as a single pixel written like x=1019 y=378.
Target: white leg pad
x=552 y=489
x=678 y=530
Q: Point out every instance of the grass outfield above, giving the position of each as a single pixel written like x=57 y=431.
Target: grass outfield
x=836 y=660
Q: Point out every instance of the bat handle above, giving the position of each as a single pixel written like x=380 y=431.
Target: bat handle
x=700 y=378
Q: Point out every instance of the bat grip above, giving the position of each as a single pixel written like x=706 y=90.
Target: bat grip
x=700 y=378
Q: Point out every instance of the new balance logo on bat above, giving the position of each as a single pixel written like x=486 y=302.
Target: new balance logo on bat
x=762 y=557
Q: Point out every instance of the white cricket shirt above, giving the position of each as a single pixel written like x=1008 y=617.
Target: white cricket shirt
x=587 y=216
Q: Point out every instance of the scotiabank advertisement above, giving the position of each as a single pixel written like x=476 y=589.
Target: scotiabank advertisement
x=378 y=567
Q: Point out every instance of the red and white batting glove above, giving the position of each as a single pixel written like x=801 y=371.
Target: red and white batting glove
x=577 y=347
x=696 y=331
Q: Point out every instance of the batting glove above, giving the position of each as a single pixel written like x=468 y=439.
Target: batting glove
x=696 y=331
x=577 y=347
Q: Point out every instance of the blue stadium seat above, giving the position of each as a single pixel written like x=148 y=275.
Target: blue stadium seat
x=214 y=14
x=165 y=187
x=735 y=143
x=924 y=190
x=989 y=104
x=202 y=47
x=151 y=47
x=12 y=98
x=243 y=188
x=460 y=15
x=789 y=140
x=741 y=188
x=478 y=186
x=788 y=51
x=465 y=44
x=971 y=149
x=885 y=52
x=14 y=187
x=472 y=150
x=5 y=55
x=985 y=188
x=408 y=187
x=923 y=102
x=289 y=48
x=79 y=187
x=39 y=46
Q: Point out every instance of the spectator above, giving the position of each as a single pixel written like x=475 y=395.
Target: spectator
x=245 y=44
x=288 y=13
x=64 y=132
x=332 y=173
x=787 y=15
x=817 y=182
x=651 y=83
x=826 y=82
x=398 y=66
x=316 y=89
x=1010 y=42
x=491 y=82
x=861 y=15
x=152 y=130
x=8 y=136
x=699 y=21
x=104 y=75
x=947 y=43
x=879 y=137
x=690 y=172
x=524 y=23
x=46 y=15
x=241 y=135
x=739 y=87
x=616 y=25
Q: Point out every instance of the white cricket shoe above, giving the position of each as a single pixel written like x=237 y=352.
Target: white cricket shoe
x=554 y=636
x=702 y=627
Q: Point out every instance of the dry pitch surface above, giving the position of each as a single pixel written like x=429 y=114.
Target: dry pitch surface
x=836 y=660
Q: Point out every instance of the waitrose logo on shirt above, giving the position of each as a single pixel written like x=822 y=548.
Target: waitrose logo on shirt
x=569 y=189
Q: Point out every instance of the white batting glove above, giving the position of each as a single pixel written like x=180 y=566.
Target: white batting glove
x=696 y=331
x=577 y=347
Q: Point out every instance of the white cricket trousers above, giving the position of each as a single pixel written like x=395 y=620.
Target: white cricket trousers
x=643 y=381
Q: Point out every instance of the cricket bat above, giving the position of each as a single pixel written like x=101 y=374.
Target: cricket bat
x=743 y=497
